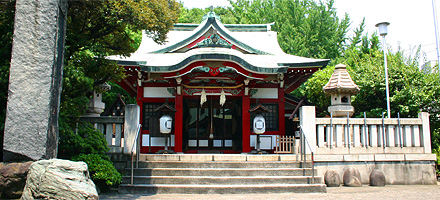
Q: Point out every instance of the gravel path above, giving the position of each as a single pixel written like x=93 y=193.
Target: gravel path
x=393 y=192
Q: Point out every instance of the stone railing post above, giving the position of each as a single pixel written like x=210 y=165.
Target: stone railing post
x=308 y=124
x=132 y=119
x=425 y=136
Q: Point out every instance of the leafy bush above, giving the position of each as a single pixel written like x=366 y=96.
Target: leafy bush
x=88 y=140
x=101 y=169
x=89 y=146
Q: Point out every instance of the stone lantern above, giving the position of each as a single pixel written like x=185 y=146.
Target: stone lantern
x=96 y=106
x=341 y=87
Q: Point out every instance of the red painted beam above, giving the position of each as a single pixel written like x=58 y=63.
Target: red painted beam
x=125 y=84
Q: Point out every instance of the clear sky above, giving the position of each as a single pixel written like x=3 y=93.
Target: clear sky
x=411 y=21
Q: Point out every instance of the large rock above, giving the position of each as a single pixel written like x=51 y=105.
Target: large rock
x=332 y=179
x=35 y=80
x=13 y=179
x=59 y=179
x=377 y=178
x=352 y=177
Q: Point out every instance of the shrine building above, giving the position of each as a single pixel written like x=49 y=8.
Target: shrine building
x=212 y=75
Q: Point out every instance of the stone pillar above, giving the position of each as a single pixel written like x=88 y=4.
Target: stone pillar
x=35 y=80
x=131 y=122
x=425 y=132
x=308 y=125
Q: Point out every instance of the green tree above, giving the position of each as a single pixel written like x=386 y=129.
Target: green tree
x=96 y=29
x=411 y=91
x=305 y=27
x=195 y=15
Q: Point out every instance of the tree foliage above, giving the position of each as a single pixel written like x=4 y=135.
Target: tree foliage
x=195 y=15
x=411 y=90
x=305 y=27
x=96 y=29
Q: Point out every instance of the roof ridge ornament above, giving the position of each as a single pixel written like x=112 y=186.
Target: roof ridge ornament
x=211 y=14
x=214 y=40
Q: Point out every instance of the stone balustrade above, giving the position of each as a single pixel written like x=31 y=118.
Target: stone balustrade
x=366 y=135
x=112 y=128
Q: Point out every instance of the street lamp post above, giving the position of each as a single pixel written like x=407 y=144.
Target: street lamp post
x=383 y=32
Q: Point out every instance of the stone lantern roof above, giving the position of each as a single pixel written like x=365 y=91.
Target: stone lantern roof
x=341 y=82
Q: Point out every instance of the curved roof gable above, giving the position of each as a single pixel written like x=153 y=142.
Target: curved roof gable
x=213 y=41
x=211 y=33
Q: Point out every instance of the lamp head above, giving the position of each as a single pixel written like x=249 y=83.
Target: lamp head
x=383 y=28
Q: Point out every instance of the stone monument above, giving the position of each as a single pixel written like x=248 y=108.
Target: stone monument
x=341 y=87
x=35 y=80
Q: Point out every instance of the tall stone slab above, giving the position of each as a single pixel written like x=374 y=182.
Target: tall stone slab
x=131 y=123
x=307 y=115
x=35 y=80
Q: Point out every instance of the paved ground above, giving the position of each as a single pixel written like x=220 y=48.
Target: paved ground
x=394 y=192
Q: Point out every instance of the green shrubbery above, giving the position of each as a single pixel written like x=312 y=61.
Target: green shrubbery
x=90 y=146
x=436 y=147
x=87 y=140
x=101 y=169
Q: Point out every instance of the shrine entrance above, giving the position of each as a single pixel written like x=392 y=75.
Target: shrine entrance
x=212 y=127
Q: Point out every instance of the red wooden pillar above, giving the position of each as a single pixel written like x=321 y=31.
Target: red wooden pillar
x=246 y=128
x=178 y=139
x=281 y=117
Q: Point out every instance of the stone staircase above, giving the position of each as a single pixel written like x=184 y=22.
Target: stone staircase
x=219 y=174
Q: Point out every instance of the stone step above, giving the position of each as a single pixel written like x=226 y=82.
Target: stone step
x=218 y=164
x=119 y=157
x=220 y=172
x=220 y=189
x=219 y=180
x=221 y=157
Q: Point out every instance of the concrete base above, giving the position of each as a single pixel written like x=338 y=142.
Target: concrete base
x=399 y=169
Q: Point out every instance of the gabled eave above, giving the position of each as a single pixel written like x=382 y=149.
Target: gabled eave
x=214 y=22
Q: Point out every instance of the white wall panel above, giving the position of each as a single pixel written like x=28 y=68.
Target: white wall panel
x=158 y=92
x=266 y=93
